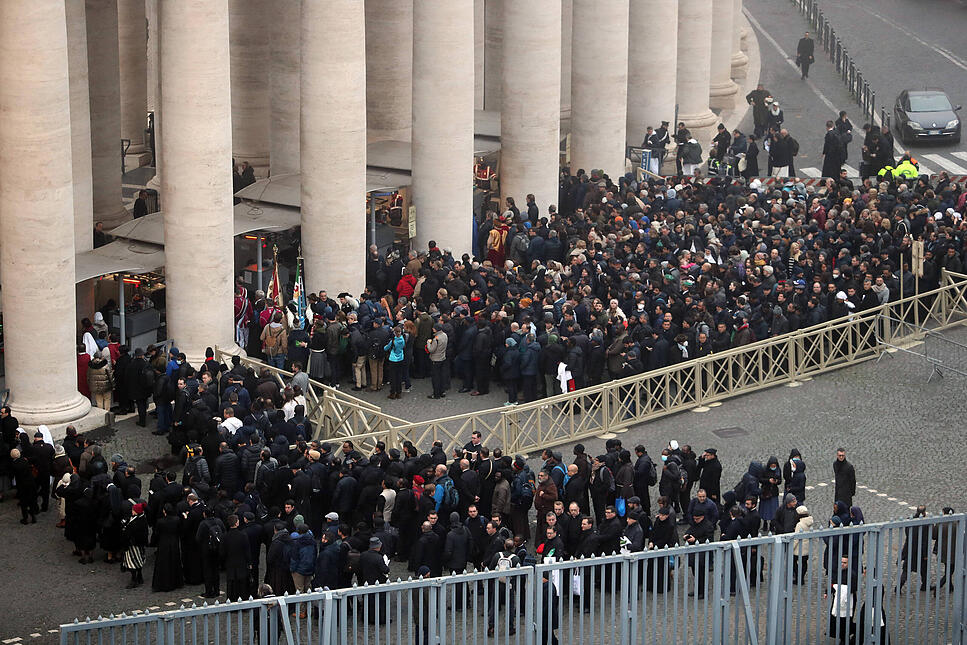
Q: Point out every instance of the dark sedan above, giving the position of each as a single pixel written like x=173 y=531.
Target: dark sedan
x=926 y=115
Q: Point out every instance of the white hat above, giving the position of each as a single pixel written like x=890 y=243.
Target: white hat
x=841 y=295
x=673 y=444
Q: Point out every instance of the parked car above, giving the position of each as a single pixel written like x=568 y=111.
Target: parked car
x=926 y=115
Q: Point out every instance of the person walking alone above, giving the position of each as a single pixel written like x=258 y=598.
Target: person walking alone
x=804 y=54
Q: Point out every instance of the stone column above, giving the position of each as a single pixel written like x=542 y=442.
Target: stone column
x=284 y=82
x=599 y=86
x=530 y=119
x=133 y=63
x=81 y=147
x=722 y=89
x=249 y=33
x=389 y=69
x=155 y=34
x=652 y=64
x=740 y=60
x=567 y=34
x=443 y=84
x=104 y=77
x=334 y=145
x=197 y=183
x=36 y=199
x=493 y=53
x=694 y=65
x=151 y=16
x=479 y=42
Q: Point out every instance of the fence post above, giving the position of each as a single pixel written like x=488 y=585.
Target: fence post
x=718 y=588
x=534 y=588
x=960 y=582
x=791 y=357
x=778 y=590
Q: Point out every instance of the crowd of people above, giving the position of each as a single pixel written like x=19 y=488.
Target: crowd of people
x=628 y=277
x=253 y=507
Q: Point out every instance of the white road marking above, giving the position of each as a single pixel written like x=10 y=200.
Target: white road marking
x=947 y=165
x=822 y=484
x=811 y=172
x=960 y=155
x=943 y=52
x=810 y=487
x=872 y=490
x=881 y=494
x=851 y=171
x=12 y=640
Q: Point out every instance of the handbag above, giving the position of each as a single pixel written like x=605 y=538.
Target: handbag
x=576 y=586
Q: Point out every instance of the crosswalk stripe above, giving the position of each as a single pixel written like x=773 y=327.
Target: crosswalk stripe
x=960 y=155
x=851 y=171
x=946 y=164
x=811 y=172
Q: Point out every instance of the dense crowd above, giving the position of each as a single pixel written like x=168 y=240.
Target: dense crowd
x=627 y=277
x=271 y=514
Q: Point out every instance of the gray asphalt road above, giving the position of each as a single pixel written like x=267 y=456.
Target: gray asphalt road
x=881 y=35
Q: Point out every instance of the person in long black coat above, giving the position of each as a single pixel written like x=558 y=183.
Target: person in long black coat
x=138 y=382
x=427 y=552
x=26 y=487
x=277 y=573
x=374 y=570
x=84 y=530
x=833 y=152
x=167 y=561
x=237 y=560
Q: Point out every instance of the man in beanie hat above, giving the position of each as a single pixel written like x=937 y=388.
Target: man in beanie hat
x=786 y=516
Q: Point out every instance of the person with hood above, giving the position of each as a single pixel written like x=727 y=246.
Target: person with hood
x=748 y=486
x=166 y=536
x=769 y=482
x=277 y=574
x=100 y=381
x=691 y=156
x=794 y=475
x=836 y=545
x=670 y=482
x=915 y=554
x=510 y=370
x=800 y=562
x=302 y=558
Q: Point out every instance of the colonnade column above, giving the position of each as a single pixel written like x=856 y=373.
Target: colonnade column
x=133 y=65
x=155 y=33
x=599 y=86
x=284 y=83
x=249 y=38
x=479 y=52
x=530 y=116
x=197 y=183
x=694 y=65
x=740 y=60
x=36 y=213
x=80 y=146
x=334 y=145
x=567 y=34
x=443 y=114
x=722 y=89
x=389 y=69
x=493 y=53
x=652 y=66
x=104 y=83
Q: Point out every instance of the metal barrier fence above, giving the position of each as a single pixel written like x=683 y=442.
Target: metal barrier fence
x=839 y=56
x=900 y=582
x=619 y=404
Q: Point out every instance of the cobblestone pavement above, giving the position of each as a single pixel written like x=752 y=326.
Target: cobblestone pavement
x=902 y=434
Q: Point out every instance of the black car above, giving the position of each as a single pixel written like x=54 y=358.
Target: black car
x=926 y=115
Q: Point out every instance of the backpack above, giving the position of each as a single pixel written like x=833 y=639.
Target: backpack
x=794 y=147
x=352 y=561
x=375 y=351
x=451 y=498
x=148 y=378
x=527 y=493
x=504 y=563
x=214 y=537
x=272 y=340
x=682 y=478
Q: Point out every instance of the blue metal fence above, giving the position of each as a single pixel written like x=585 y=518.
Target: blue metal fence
x=769 y=589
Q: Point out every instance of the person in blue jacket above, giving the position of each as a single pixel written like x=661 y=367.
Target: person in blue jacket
x=395 y=350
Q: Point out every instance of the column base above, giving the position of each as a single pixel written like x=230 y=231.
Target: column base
x=722 y=95
x=155 y=182
x=694 y=122
x=740 y=65
x=113 y=218
x=77 y=406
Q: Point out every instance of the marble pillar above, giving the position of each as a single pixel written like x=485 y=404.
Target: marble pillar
x=284 y=82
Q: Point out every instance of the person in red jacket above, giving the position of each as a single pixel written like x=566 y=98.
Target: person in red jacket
x=406 y=285
x=83 y=358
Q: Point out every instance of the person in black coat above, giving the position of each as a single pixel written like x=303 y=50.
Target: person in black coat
x=277 y=573
x=374 y=570
x=237 y=560
x=167 y=563
x=845 y=476
x=26 y=487
x=227 y=473
x=211 y=553
x=427 y=552
x=328 y=562
x=456 y=551
x=833 y=152
x=710 y=475
x=805 y=51
x=645 y=477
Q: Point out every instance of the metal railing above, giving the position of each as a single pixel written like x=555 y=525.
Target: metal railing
x=839 y=56
x=768 y=589
x=617 y=405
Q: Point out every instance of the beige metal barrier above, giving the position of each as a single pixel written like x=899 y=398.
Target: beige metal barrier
x=617 y=405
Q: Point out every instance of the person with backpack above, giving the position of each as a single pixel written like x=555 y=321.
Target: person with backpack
x=275 y=341
x=602 y=487
x=521 y=497
x=445 y=494
x=138 y=378
x=646 y=476
x=378 y=337
x=502 y=588
x=210 y=538
x=396 y=355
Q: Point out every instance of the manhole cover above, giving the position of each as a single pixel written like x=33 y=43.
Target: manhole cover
x=728 y=433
